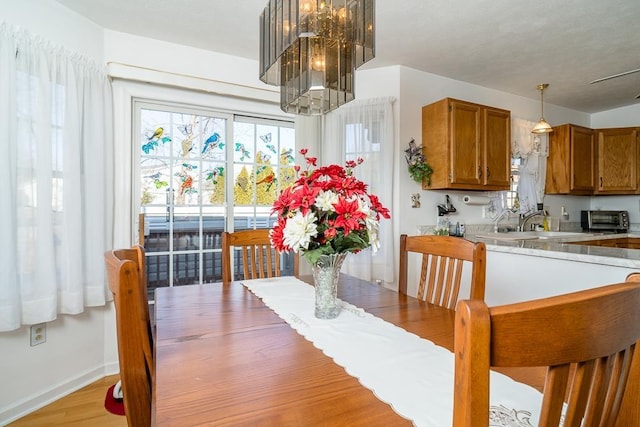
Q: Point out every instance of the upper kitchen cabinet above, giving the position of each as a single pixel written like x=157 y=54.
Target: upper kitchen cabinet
x=571 y=161
x=467 y=145
x=617 y=167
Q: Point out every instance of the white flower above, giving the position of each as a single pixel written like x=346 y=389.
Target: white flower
x=372 y=230
x=326 y=199
x=371 y=222
x=364 y=207
x=299 y=231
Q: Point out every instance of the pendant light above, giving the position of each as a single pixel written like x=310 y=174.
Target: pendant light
x=542 y=126
x=311 y=49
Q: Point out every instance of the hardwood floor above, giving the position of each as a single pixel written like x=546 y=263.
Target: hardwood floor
x=84 y=407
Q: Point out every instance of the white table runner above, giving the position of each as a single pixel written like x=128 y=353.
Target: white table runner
x=413 y=375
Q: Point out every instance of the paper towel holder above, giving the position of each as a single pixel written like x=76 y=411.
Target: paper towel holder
x=476 y=200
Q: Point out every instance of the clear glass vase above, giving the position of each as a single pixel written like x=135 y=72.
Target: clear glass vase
x=325 y=279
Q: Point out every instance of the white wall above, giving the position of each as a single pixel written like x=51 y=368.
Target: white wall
x=414 y=89
x=419 y=89
x=76 y=351
x=55 y=22
x=619 y=117
x=81 y=348
x=178 y=60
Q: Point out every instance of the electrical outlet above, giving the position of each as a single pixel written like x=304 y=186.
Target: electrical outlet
x=38 y=334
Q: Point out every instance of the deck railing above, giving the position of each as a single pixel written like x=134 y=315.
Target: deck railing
x=191 y=261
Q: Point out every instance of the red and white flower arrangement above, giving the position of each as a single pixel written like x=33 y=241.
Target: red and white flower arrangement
x=326 y=211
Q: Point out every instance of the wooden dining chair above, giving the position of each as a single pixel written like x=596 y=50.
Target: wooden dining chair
x=127 y=281
x=586 y=340
x=633 y=277
x=443 y=258
x=259 y=258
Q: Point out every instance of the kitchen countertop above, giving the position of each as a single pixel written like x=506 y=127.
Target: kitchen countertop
x=560 y=248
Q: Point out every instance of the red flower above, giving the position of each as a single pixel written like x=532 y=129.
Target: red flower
x=337 y=207
x=303 y=198
x=377 y=206
x=351 y=186
x=349 y=215
x=332 y=172
x=281 y=205
x=277 y=236
x=330 y=233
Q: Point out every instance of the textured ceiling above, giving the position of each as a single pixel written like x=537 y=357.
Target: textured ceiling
x=507 y=45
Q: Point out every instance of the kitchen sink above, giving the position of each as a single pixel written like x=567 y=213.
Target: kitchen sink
x=511 y=235
x=528 y=235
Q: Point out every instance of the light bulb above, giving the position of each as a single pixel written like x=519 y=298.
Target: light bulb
x=306 y=6
x=318 y=63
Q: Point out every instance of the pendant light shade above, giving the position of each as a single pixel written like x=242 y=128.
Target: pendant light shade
x=542 y=126
x=311 y=49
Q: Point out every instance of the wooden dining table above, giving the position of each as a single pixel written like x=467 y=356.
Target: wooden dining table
x=222 y=357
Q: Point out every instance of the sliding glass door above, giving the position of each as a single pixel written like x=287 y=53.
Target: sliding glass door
x=200 y=173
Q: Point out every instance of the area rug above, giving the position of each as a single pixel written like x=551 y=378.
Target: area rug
x=113 y=405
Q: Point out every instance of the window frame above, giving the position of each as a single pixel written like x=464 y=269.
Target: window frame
x=228 y=207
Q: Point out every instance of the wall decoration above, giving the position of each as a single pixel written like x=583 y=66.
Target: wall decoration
x=415 y=200
x=418 y=167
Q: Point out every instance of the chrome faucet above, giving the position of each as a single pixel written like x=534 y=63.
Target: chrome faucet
x=522 y=218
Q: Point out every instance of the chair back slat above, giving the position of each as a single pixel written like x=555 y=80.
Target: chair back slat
x=587 y=339
x=443 y=260
x=456 y=281
x=126 y=273
x=260 y=260
x=556 y=382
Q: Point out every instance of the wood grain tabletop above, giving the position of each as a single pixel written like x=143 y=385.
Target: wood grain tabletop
x=223 y=358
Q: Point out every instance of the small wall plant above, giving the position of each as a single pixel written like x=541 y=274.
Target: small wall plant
x=418 y=167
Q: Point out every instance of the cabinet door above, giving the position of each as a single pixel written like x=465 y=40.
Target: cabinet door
x=617 y=161
x=497 y=152
x=582 y=160
x=465 y=134
x=559 y=160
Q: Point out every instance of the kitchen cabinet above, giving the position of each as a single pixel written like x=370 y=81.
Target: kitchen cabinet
x=571 y=161
x=620 y=242
x=467 y=145
x=618 y=154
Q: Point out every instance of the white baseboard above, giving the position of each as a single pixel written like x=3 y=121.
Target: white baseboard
x=35 y=402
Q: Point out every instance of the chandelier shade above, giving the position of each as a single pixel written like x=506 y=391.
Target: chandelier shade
x=542 y=126
x=311 y=49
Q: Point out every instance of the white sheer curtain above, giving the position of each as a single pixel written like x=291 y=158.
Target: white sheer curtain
x=364 y=128
x=55 y=145
x=533 y=149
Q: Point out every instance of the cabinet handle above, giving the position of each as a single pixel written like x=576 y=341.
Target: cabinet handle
x=479 y=172
x=601 y=183
x=488 y=173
